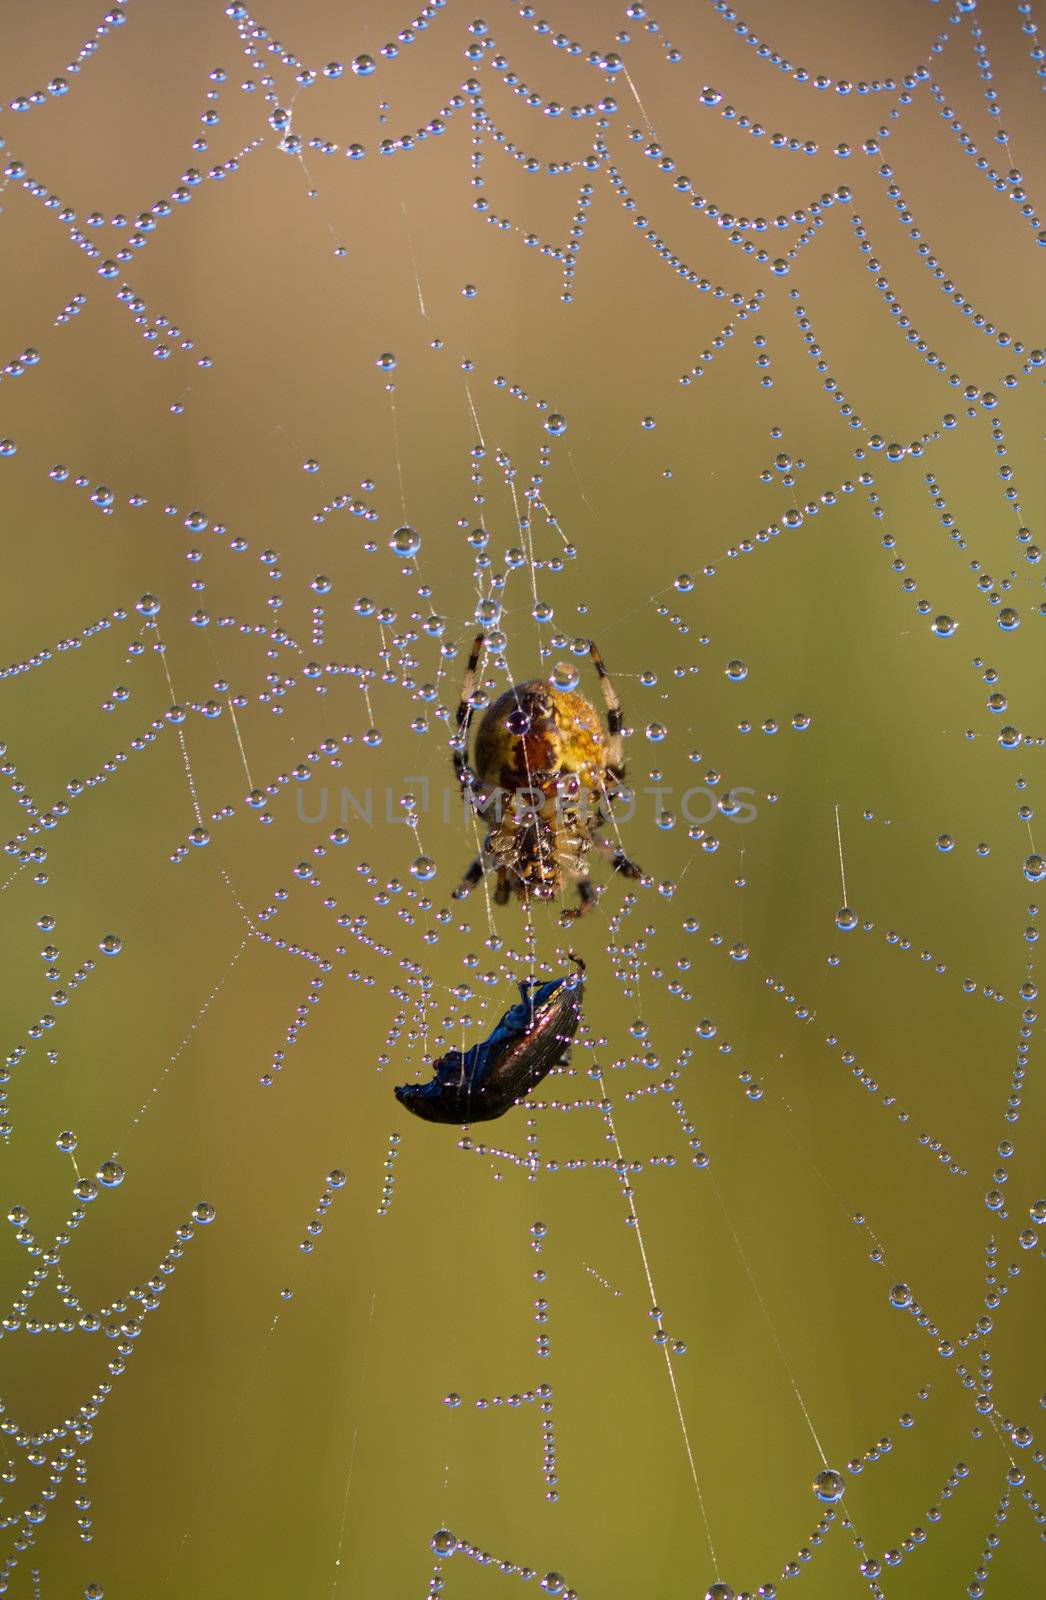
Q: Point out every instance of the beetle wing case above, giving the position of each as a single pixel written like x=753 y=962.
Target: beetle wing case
x=486 y=1081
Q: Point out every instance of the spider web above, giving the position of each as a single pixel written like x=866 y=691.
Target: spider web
x=617 y=325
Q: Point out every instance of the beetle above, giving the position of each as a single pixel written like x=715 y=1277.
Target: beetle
x=486 y=1081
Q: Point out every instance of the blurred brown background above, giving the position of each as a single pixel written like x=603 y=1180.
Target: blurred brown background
x=264 y=1445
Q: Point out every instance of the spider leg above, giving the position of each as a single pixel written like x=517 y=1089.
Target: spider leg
x=587 y=894
x=503 y=893
x=617 y=858
x=615 y=721
x=605 y=793
x=460 y=745
x=472 y=876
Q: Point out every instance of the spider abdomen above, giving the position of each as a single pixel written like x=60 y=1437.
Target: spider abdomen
x=534 y=734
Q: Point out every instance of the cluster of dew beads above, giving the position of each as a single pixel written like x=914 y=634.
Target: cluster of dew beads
x=445 y=1544
x=388 y=1181
x=314 y=1227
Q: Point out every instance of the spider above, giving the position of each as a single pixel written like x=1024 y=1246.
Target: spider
x=547 y=748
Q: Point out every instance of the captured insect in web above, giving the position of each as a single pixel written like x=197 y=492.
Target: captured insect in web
x=548 y=771
x=486 y=1081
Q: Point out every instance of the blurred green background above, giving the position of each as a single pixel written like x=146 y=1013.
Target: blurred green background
x=225 y=371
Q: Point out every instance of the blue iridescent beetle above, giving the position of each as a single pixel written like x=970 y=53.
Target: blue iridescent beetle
x=480 y=1084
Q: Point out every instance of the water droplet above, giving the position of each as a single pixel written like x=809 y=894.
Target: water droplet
x=829 y=1486
x=556 y=424
x=405 y=542
x=565 y=675
x=944 y=626
x=110 y=1174
x=111 y=945
x=203 y=1212
x=443 y=1542
x=736 y=671
x=423 y=868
